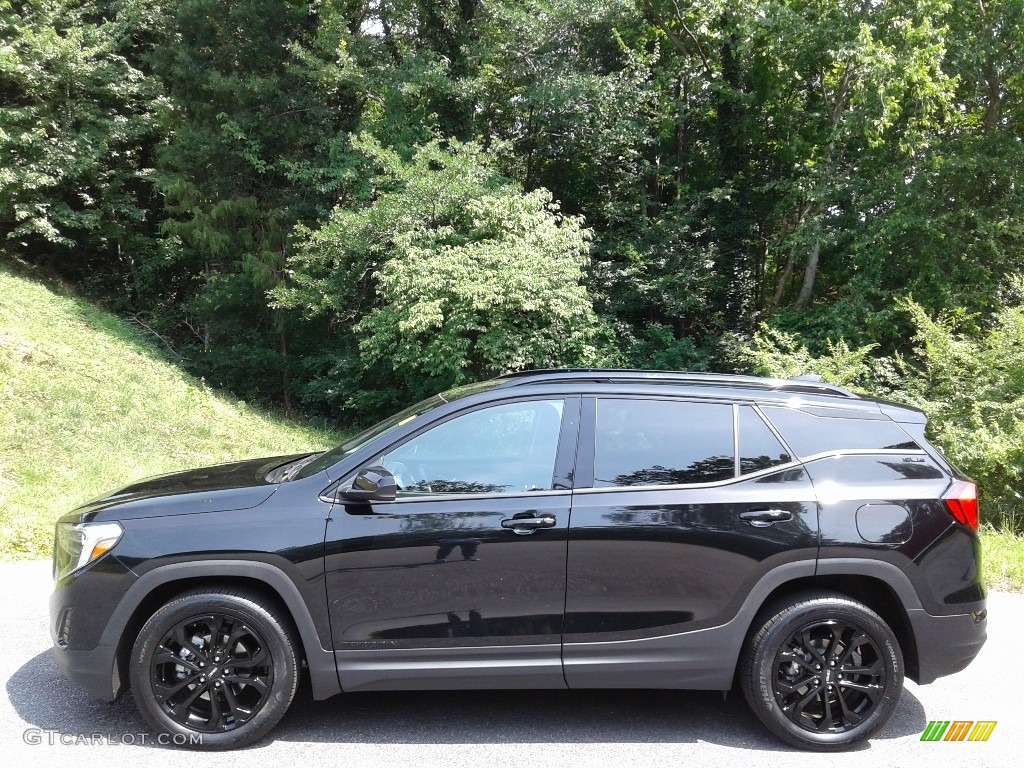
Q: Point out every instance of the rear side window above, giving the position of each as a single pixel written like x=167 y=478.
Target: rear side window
x=662 y=442
x=808 y=434
x=759 y=447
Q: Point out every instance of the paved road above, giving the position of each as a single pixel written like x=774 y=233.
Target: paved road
x=494 y=729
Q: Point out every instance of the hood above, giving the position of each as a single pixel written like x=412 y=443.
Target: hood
x=238 y=485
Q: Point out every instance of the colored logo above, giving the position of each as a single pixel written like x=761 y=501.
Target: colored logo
x=958 y=730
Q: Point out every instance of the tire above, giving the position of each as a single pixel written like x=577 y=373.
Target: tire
x=788 y=678
x=214 y=669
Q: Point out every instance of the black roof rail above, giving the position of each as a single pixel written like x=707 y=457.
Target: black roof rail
x=799 y=384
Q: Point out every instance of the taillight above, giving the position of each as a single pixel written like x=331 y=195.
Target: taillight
x=962 y=500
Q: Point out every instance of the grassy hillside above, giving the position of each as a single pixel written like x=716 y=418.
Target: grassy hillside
x=87 y=403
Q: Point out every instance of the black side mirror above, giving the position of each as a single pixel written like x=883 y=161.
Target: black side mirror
x=371 y=484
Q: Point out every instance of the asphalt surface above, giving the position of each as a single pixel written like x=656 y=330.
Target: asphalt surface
x=46 y=720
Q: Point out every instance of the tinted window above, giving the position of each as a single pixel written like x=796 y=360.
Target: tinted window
x=660 y=442
x=872 y=470
x=759 y=447
x=501 y=449
x=335 y=455
x=808 y=434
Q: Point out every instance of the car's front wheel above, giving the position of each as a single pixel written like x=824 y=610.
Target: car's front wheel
x=822 y=672
x=214 y=669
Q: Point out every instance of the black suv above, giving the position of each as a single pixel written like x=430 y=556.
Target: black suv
x=548 y=529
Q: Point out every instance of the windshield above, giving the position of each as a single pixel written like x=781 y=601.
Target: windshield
x=333 y=456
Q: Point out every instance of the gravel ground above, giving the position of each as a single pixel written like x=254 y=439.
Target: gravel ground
x=45 y=718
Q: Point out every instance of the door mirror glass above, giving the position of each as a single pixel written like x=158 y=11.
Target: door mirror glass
x=371 y=484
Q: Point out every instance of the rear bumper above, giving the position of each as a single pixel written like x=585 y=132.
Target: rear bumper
x=947 y=644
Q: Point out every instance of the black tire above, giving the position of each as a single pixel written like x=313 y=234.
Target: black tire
x=823 y=672
x=214 y=669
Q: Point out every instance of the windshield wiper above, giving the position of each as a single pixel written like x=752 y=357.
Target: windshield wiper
x=288 y=471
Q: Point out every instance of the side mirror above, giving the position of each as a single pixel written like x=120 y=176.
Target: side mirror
x=371 y=484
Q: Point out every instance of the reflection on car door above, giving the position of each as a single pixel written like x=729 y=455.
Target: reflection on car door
x=460 y=582
x=689 y=504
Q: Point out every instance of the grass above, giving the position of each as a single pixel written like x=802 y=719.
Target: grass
x=87 y=404
x=1003 y=554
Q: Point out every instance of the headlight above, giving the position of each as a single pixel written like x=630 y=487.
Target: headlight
x=78 y=544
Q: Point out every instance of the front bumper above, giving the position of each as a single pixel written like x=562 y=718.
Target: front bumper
x=95 y=671
x=947 y=644
x=85 y=644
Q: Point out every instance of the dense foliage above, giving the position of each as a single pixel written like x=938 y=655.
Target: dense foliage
x=969 y=381
x=336 y=206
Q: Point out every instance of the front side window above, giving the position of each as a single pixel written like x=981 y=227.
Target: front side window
x=662 y=442
x=333 y=456
x=507 y=448
x=324 y=460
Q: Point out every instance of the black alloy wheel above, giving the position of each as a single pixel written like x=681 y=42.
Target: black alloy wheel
x=822 y=672
x=211 y=673
x=829 y=676
x=214 y=669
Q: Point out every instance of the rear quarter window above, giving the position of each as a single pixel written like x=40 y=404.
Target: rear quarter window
x=809 y=434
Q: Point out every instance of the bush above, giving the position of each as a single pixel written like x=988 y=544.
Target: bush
x=657 y=348
x=448 y=273
x=968 y=378
x=773 y=352
x=971 y=385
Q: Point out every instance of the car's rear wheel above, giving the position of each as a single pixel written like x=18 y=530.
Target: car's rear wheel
x=822 y=672
x=214 y=669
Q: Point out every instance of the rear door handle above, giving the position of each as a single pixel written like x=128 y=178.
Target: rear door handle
x=762 y=518
x=527 y=523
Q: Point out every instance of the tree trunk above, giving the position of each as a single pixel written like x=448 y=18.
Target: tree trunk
x=286 y=395
x=787 y=273
x=133 y=270
x=206 y=325
x=528 y=181
x=682 y=96
x=993 y=84
x=652 y=194
x=809 y=274
x=731 y=218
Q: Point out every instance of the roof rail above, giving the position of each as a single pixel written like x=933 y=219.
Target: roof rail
x=674 y=377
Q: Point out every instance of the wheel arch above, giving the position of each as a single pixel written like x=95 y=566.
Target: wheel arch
x=156 y=587
x=875 y=593
x=882 y=586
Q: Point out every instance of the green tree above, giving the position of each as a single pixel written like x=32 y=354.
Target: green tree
x=951 y=234
x=450 y=273
x=259 y=99
x=78 y=123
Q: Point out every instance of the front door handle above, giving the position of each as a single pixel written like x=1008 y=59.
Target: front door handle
x=762 y=518
x=526 y=522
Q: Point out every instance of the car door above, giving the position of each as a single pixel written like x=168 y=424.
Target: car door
x=460 y=582
x=681 y=509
